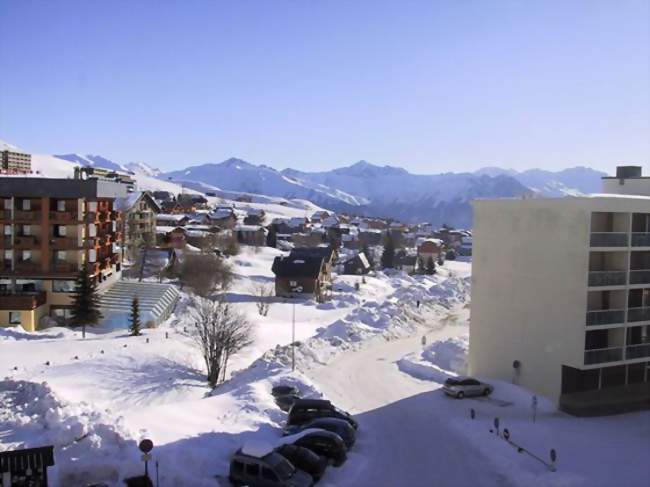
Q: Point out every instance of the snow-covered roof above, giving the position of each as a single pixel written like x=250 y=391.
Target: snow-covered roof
x=222 y=213
x=249 y=228
x=257 y=449
x=168 y=217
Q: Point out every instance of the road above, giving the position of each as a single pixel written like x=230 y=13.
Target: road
x=404 y=439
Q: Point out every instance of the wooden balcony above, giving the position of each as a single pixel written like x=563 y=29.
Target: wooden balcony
x=64 y=217
x=64 y=268
x=65 y=243
x=5 y=241
x=5 y=215
x=26 y=242
x=26 y=268
x=27 y=215
x=22 y=300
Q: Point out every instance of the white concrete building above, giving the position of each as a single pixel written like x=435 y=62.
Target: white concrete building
x=561 y=298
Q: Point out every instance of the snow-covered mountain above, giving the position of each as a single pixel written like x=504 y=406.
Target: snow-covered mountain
x=92 y=161
x=572 y=181
x=143 y=168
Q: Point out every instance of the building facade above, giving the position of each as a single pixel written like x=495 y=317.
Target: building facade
x=15 y=162
x=50 y=229
x=561 y=298
x=139 y=211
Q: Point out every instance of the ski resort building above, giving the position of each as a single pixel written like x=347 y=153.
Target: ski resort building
x=50 y=228
x=562 y=305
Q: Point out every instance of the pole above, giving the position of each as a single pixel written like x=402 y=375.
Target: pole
x=146 y=468
x=157 y=479
x=293 y=338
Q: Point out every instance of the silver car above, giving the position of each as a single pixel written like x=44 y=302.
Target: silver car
x=460 y=387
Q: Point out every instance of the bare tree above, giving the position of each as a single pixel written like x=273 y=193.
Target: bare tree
x=219 y=331
x=263 y=293
x=204 y=273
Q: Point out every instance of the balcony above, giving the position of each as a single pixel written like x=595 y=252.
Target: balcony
x=605 y=317
x=608 y=239
x=27 y=268
x=607 y=278
x=640 y=239
x=31 y=215
x=641 y=350
x=638 y=314
x=22 y=300
x=25 y=242
x=64 y=268
x=5 y=241
x=5 y=215
x=63 y=216
x=640 y=276
x=603 y=355
x=63 y=243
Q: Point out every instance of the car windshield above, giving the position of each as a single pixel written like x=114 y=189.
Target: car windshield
x=452 y=382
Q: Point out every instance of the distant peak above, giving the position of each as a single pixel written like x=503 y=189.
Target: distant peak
x=367 y=169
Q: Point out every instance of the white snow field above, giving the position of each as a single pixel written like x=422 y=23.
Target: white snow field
x=98 y=397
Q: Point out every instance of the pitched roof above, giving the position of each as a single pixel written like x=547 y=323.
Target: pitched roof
x=297 y=266
x=322 y=252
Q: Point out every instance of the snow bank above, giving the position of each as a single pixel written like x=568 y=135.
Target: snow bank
x=90 y=446
x=438 y=361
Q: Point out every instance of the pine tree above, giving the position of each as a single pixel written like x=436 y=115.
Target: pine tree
x=85 y=301
x=431 y=266
x=388 y=256
x=135 y=317
x=272 y=237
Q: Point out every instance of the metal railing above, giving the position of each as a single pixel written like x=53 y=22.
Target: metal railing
x=637 y=351
x=602 y=355
x=607 y=278
x=608 y=239
x=640 y=276
x=605 y=317
x=638 y=314
x=640 y=239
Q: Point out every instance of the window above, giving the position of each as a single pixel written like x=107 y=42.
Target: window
x=252 y=469
x=269 y=474
x=293 y=283
x=61 y=231
x=237 y=467
x=7 y=204
x=27 y=205
x=62 y=286
x=60 y=255
x=14 y=318
x=27 y=255
x=8 y=230
x=60 y=205
x=27 y=229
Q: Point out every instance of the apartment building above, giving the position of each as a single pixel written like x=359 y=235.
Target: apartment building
x=50 y=228
x=628 y=180
x=12 y=162
x=561 y=299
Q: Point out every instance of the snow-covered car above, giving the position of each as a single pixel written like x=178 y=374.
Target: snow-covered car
x=460 y=387
x=259 y=465
x=321 y=442
x=284 y=390
x=304 y=459
x=335 y=425
x=306 y=410
x=285 y=402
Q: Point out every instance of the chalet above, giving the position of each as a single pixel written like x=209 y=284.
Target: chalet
x=224 y=217
x=171 y=219
x=139 y=210
x=170 y=207
x=163 y=196
x=429 y=248
x=327 y=253
x=303 y=275
x=250 y=234
x=254 y=216
x=312 y=238
x=319 y=216
x=350 y=241
x=191 y=202
x=171 y=237
x=371 y=236
x=290 y=225
x=357 y=265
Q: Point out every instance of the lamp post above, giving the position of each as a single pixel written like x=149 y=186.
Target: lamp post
x=293 y=338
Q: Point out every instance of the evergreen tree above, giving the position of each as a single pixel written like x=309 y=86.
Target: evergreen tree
x=85 y=301
x=431 y=266
x=272 y=237
x=135 y=317
x=388 y=256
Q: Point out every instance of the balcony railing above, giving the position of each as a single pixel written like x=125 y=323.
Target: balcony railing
x=25 y=242
x=65 y=243
x=638 y=314
x=63 y=216
x=608 y=239
x=22 y=300
x=640 y=239
x=602 y=355
x=30 y=215
x=5 y=214
x=607 y=278
x=605 y=317
x=637 y=351
x=64 y=268
x=26 y=267
x=640 y=276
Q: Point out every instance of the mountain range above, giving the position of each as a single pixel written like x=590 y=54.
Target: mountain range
x=361 y=188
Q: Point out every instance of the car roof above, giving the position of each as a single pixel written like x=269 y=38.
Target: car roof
x=312 y=403
x=309 y=431
x=256 y=449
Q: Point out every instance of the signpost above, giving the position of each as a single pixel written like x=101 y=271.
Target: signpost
x=145 y=447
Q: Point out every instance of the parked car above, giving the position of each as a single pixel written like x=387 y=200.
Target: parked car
x=321 y=442
x=285 y=390
x=305 y=410
x=304 y=459
x=258 y=465
x=285 y=402
x=335 y=425
x=460 y=387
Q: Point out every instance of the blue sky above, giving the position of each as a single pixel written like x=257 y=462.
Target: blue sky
x=432 y=86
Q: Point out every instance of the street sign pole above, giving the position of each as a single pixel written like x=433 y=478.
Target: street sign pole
x=293 y=338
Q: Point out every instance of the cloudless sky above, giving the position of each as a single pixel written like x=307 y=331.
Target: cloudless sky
x=429 y=85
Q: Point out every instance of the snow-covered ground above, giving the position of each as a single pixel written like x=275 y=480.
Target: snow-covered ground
x=97 y=397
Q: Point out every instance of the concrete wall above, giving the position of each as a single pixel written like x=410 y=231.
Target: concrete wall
x=638 y=186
